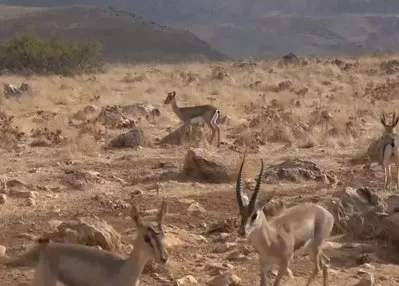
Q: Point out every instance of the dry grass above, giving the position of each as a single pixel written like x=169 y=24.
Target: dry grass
x=274 y=118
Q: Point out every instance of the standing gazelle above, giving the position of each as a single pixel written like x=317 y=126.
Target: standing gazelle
x=305 y=226
x=74 y=264
x=385 y=150
x=196 y=114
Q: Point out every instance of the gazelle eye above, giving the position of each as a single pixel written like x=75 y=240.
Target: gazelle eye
x=253 y=217
x=147 y=239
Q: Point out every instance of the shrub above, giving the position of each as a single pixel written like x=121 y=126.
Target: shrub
x=29 y=53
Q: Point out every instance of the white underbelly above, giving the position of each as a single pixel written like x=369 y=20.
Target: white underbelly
x=197 y=120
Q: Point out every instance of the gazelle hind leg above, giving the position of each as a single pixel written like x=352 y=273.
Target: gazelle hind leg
x=324 y=261
x=216 y=126
x=316 y=256
x=385 y=177
x=213 y=132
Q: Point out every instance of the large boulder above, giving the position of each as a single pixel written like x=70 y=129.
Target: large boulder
x=131 y=139
x=359 y=212
x=296 y=170
x=185 y=135
x=89 y=231
x=204 y=165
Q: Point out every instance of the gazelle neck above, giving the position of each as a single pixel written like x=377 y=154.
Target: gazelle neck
x=133 y=266
x=176 y=109
x=262 y=235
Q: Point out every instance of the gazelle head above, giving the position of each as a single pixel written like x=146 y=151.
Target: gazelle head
x=251 y=212
x=150 y=236
x=389 y=127
x=170 y=98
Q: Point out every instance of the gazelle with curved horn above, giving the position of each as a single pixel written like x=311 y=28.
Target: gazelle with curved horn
x=305 y=226
x=74 y=264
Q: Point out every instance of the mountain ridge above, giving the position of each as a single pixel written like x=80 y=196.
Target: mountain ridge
x=245 y=28
x=123 y=35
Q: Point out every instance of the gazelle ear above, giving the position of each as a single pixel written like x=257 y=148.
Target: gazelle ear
x=382 y=119
x=162 y=212
x=263 y=202
x=135 y=215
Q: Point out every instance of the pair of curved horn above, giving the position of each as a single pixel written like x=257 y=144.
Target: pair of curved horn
x=254 y=196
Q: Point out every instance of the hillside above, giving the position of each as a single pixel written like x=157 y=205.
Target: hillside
x=124 y=36
x=256 y=28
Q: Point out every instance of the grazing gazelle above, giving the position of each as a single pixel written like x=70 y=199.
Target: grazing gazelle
x=196 y=114
x=385 y=150
x=78 y=265
x=305 y=226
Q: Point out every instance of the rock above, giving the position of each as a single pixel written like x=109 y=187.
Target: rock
x=207 y=166
x=392 y=204
x=195 y=208
x=88 y=231
x=114 y=117
x=27 y=236
x=184 y=135
x=186 y=280
x=2 y=250
x=147 y=110
x=30 y=202
x=216 y=267
x=290 y=59
x=296 y=170
x=236 y=255
x=3 y=199
x=80 y=179
x=391 y=226
x=131 y=139
x=222 y=248
x=360 y=212
x=22 y=194
x=226 y=279
x=367 y=279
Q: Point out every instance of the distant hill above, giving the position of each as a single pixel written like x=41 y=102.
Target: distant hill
x=124 y=36
x=270 y=27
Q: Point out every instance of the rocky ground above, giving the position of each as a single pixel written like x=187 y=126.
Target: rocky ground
x=76 y=151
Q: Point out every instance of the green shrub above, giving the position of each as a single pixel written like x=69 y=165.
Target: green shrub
x=29 y=53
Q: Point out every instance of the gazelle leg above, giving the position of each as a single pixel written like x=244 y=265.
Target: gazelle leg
x=283 y=269
x=215 y=126
x=316 y=253
x=389 y=177
x=324 y=261
x=264 y=270
x=213 y=132
x=44 y=275
x=397 y=175
x=385 y=177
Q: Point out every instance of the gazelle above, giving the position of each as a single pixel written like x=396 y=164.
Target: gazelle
x=305 y=226
x=74 y=264
x=385 y=150
x=196 y=114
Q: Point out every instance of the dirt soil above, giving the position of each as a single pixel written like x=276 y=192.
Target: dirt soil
x=277 y=111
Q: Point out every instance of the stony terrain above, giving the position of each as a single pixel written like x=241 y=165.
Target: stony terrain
x=63 y=160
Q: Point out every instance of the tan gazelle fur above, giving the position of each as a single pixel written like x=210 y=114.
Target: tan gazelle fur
x=305 y=226
x=385 y=150
x=78 y=265
x=207 y=114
